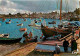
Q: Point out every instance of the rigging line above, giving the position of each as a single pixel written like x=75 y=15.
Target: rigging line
x=57 y=4
x=66 y=6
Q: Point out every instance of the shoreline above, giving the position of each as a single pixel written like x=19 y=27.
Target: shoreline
x=72 y=19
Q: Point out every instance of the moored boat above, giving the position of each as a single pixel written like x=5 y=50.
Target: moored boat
x=23 y=29
x=8 y=22
x=9 y=40
x=48 y=32
x=20 y=24
x=4 y=35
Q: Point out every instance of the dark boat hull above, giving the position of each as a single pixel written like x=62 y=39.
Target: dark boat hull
x=9 y=40
x=53 y=22
x=48 y=32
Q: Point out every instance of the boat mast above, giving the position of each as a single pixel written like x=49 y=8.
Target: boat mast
x=60 y=10
x=79 y=9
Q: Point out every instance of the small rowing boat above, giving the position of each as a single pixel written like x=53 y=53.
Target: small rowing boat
x=4 y=35
x=8 y=22
x=23 y=29
x=20 y=24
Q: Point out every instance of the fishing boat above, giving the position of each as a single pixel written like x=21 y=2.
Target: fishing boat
x=20 y=24
x=48 y=32
x=4 y=35
x=23 y=29
x=9 y=40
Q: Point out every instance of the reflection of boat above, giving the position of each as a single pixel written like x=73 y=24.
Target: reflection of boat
x=20 y=24
x=9 y=40
x=8 y=22
x=53 y=22
x=23 y=29
x=4 y=35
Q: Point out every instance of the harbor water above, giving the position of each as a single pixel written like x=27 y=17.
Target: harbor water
x=14 y=31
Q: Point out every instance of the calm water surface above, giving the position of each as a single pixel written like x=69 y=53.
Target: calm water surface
x=13 y=30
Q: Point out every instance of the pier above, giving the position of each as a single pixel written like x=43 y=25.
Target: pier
x=52 y=43
x=28 y=48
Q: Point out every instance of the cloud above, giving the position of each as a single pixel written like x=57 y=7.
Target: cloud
x=7 y=3
x=7 y=6
x=14 y=6
x=46 y=5
x=10 y=10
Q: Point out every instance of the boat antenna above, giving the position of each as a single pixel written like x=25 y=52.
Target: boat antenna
x=60 y=10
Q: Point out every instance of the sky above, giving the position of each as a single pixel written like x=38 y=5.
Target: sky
x=29 y=6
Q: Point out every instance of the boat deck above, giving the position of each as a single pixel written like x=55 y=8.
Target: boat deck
x=53 y=42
